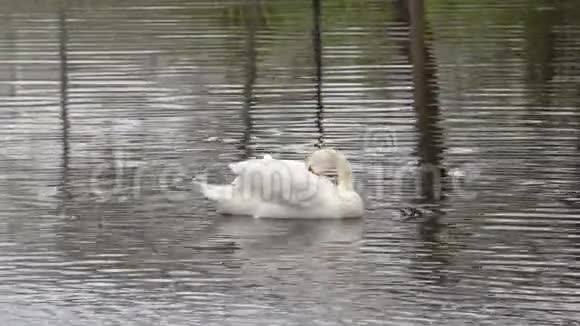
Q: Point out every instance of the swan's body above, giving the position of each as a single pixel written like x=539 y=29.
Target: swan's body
x=289 y=189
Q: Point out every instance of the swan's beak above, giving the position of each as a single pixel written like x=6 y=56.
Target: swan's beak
x=312 y=171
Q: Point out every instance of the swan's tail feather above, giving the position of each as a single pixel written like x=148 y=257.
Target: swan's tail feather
x=225 y=200
x=238 y=167
x=215 y=192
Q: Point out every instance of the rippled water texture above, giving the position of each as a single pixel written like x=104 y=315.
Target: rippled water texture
x=461 y=122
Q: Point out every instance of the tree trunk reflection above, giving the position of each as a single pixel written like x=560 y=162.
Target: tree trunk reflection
x=64 y=116
x=317 y=46
x=251 y=18
x=426 y=106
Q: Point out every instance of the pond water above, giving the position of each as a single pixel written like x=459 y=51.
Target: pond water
x=460 y=119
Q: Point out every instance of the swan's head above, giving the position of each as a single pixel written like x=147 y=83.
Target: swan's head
x=322 y=162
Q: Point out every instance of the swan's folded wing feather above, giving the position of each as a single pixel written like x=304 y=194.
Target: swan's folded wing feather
x=238 y=167
x=279 y=181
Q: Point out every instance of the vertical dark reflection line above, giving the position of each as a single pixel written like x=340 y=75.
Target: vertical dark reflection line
x=545 y=48
x=425 y=97
x=13 y=43
x=250 y=73
x=64 y=116
x=427 y=110
x=425 y=101
x=426 y=106
x=540 y=49
x=425 y=92
x=317 y=46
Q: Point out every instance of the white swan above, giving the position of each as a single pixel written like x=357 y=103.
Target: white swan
x=289 y=189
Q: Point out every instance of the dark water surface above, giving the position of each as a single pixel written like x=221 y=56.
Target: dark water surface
x=471 y=125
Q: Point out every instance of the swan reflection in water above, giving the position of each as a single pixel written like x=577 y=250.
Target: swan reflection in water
x=274 y=253
x=289 y=233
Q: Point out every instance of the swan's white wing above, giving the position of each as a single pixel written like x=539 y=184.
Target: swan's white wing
x=238 y=167
x=282 y=182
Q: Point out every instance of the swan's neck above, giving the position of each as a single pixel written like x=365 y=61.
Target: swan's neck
x=344 y=173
